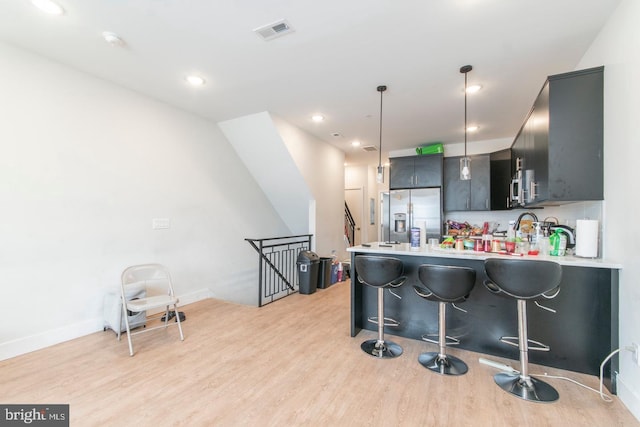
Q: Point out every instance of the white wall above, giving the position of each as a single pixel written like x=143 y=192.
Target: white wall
x=322 y=166
x=259 y=144
x=84 y=167
x=617 y=47
x=301 y=175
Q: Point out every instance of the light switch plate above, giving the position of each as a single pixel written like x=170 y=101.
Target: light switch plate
x=160 y=223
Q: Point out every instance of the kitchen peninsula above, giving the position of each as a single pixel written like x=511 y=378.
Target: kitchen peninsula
x=581 y=333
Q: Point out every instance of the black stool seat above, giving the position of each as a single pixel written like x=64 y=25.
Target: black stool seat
x=447 y=283
x=381 y=273
x=524 y=280
x=444 y=284
x=378 y=271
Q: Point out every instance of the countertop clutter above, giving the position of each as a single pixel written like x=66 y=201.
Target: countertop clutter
x=405 y=249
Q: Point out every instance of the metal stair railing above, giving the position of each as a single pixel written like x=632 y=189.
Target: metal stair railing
x=349 y=225
x=277 y=265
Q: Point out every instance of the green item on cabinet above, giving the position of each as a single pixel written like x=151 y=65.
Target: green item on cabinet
x=435 y=148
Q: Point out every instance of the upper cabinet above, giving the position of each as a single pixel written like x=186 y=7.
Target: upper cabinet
x=415 y=171
x=468 y=195
x=557 y=155
x=500 y=179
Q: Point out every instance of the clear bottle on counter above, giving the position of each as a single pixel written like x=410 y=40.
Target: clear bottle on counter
x=543 y=245
x=536 y=233
x=522 y=245
x=511 y=231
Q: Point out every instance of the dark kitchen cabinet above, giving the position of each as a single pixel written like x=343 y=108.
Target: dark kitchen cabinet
x=470 y=195
x=415 y=171
x=500 y=171
x=560 y=146
x=524 y=159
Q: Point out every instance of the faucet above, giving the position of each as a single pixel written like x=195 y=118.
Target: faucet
x=522 y=215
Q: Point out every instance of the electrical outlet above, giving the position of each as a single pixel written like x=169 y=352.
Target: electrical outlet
x=634 y=356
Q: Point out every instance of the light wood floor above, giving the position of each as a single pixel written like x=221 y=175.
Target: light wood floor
x=286 y=364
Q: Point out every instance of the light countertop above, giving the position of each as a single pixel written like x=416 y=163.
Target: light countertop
x=404 y=249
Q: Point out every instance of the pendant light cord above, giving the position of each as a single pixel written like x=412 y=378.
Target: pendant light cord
x=381 y=89
x=465 y=69
x=465 y=114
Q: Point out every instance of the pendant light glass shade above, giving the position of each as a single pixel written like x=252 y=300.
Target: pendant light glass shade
x=465 y=168
x=380 y=175
x=380 y=171
x=465 y=162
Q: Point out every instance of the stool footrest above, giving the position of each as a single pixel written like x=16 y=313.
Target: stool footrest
x=514 y=342
x=451 y=340
x=387 y=321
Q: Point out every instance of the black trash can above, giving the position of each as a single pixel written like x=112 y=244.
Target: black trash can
x=308 y=271
x=346 y=270
x=324 y=273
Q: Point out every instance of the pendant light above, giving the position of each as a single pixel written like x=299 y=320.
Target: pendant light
x=465 y=162
x=380 y=174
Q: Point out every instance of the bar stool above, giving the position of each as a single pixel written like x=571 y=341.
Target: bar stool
x=382 y=273
x=444 y=284
x=524 y=280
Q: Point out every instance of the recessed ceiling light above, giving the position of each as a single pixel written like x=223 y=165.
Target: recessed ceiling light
x=355 y=143
x=317 y=118
x=473 y=128
x=48 y=6
x=113 y=39
x=473 y=88
x=194 y=80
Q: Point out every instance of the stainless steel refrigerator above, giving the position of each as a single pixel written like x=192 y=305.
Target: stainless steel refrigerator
x=403 y=209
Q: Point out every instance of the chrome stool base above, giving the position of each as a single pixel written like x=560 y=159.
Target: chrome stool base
x=381 y=349
x=532 y=390
x=445 y=365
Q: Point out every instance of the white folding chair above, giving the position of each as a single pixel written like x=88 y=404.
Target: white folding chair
x=156 y=280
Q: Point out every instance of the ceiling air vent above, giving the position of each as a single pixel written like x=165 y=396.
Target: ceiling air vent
x=276 y=29
x=369 y=148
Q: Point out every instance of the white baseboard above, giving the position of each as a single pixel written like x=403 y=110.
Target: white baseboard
x=195 y=296
x=51 y=337
x=48 y=338
x=629 y=397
